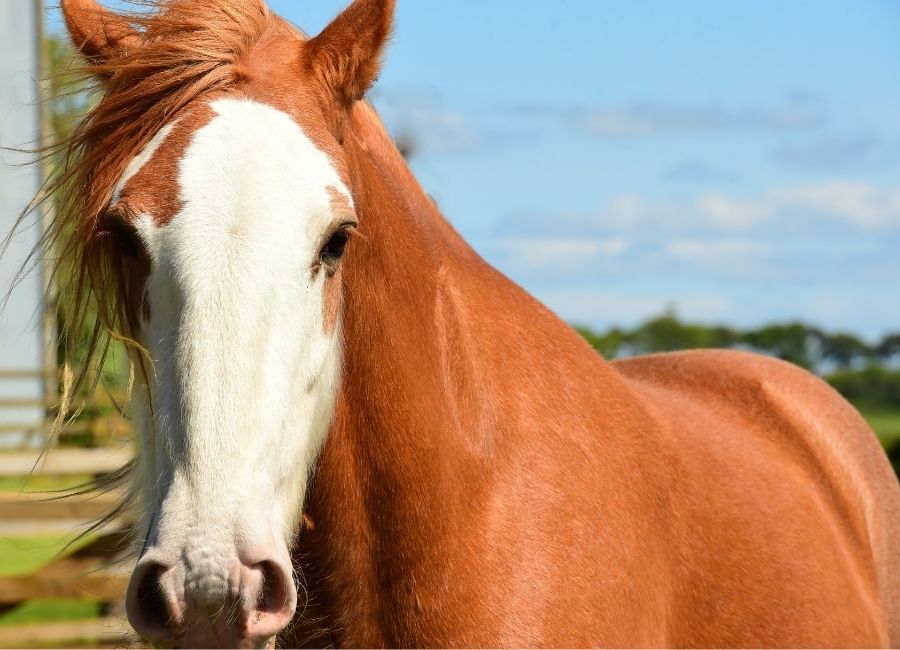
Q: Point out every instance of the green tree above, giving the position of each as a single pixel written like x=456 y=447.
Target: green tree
x=610 y=344
x=845 y=350
x=69 y=94
x=793 y=342
x=888 y=349
x=874 y=387
x=667 y=333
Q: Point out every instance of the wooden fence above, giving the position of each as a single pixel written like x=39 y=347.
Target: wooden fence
x=29 y=430
x=92 y=431
x=87 y=574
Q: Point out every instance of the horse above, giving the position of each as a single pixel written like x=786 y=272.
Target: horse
x=354 y=431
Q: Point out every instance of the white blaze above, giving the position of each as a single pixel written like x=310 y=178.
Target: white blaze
x=244 y=374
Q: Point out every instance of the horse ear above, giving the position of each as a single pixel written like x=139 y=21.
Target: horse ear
x=346 y=56
x=98 y=33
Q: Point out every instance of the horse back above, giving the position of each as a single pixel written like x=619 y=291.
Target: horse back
x=786 y=508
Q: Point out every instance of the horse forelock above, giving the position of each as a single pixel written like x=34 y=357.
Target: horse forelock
x=189 y=51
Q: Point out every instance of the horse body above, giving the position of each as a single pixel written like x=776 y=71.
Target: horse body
x=473 y=474
x=525 y=492
x=793 y=492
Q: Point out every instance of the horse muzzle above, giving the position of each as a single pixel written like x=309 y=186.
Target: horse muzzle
x=199 y=599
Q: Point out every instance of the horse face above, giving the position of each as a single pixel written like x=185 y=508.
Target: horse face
x=239 y=210
x=241 y=326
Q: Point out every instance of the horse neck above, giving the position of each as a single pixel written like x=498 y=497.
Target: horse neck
x=396 y=452
x=398 y=279
x=435 y=341
x=405 y=280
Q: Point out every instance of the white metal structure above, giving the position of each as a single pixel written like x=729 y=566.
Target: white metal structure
x=22 y=363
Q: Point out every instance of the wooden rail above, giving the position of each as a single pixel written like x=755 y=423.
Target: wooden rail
x=21 y=402
x=86 y=574
x=105 y=632
x=20 y=373
x=92 y=573
x=64 y=462
x=42 y=506
x=70 y=585
x=23 y=427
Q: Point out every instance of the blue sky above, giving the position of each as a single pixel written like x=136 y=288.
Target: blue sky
x=738 y=161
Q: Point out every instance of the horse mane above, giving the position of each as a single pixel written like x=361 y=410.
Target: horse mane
x=188 y=48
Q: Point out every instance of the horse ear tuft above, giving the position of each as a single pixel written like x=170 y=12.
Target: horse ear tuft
x=98 y=33
x=346 y=56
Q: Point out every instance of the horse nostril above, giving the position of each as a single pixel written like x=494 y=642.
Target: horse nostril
x=275 y=599
x=146 y=603
x=275 y=594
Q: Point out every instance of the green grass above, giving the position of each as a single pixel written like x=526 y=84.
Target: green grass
x=39 y=483
x=45 y=611
x=25 y=555
x=886 y=424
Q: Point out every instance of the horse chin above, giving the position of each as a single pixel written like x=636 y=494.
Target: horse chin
x=204 y=632
x=205 y=640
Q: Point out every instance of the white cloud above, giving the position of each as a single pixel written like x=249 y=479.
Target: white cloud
x=560 y=251
x=419 y=121
x=804 y=232
x=589 y=306
x=728 y=213
x=694 y=171
x=854 y=202
x=432 y=130
x=653 y=118
x=718 y=250
x=843 y=152
x=857 y=204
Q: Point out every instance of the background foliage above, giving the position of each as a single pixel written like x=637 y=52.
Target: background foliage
x=867 y=374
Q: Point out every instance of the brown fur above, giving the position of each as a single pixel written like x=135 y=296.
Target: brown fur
x=331 y=305
x=488 y=479
x=346 y=56
x=153 y=190
x=104 y=35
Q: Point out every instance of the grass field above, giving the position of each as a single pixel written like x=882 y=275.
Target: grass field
x=886 y=425
x=24 y=555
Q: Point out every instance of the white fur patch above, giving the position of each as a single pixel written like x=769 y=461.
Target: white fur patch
x=245 y=376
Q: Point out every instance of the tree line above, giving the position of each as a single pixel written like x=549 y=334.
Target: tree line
x=862 y=371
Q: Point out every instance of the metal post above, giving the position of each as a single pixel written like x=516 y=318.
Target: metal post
x=49 y=303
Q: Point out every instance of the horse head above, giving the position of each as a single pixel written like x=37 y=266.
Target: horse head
x=213 y=171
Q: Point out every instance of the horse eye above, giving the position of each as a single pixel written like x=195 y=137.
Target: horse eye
x=333 y=250
x=125 y=234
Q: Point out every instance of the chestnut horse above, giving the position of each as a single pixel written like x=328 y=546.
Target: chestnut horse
x=326 y=366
